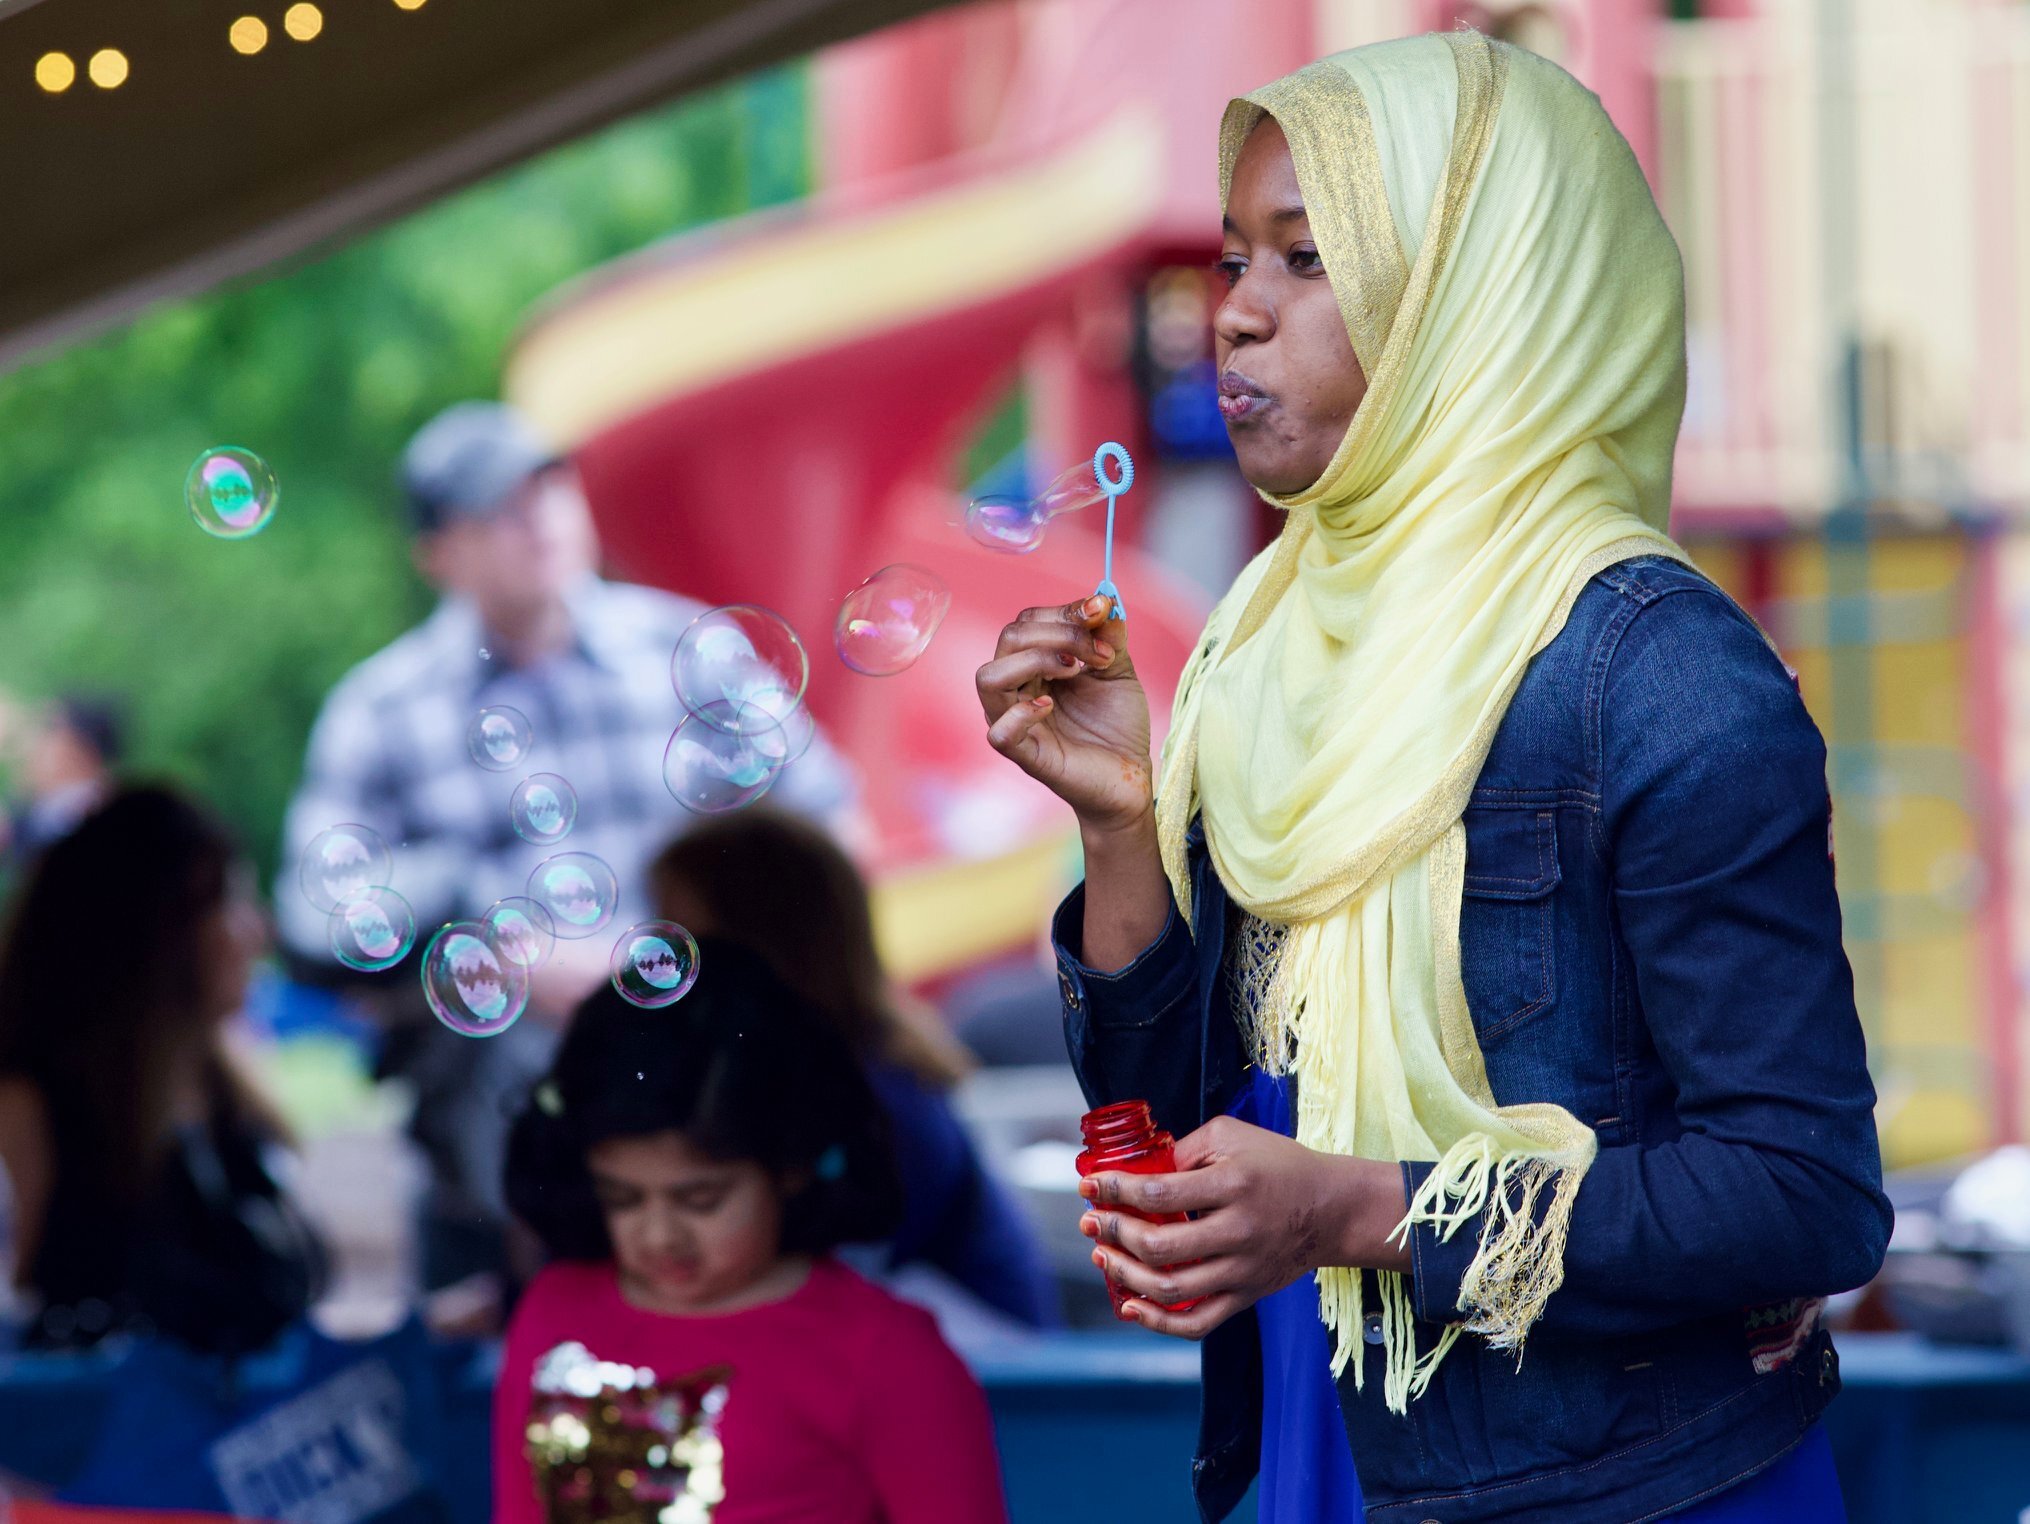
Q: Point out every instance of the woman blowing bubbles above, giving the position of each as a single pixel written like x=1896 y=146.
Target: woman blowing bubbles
x=1482 y=900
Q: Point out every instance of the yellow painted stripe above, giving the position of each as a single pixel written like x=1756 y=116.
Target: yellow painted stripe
x=931 y=921
x=742 y=306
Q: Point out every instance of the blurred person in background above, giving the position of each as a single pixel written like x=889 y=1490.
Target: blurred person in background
x=504 y=533
x=67 y=756
x=138 y=1153
x=782 y=887
x=691 y=1172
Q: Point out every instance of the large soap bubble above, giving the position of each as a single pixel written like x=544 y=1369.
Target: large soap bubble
x=741 y=665
x=887 y=622
x=469 y=984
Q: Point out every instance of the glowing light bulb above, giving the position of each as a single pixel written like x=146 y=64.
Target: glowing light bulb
x=248 y=35
x=55 y=72
x=108 y=68
x=303 y=21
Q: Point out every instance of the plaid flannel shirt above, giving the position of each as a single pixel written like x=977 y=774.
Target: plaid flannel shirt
x=389 y=751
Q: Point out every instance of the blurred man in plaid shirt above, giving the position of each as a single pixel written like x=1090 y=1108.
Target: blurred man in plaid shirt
x=503 y=532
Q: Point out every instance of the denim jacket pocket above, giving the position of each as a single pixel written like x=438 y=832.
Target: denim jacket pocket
x=1506 y=931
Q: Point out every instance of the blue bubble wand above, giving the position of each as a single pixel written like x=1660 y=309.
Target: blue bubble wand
x=1113 y=487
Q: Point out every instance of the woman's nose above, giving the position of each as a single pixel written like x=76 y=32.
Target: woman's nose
x=1242 y=318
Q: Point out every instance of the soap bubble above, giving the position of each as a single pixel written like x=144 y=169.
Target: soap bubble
x=342 y=863
x=578 y=890
x=1017 y=524
x=499 y=738
x=231 y=492
x=524 y=931
x=373 y=930
x=655 y=963
x=1073 y=488
x=887 y=621
x=741 y=665
x=544 y=808
x=1005 y=523
x=469 y=985
x=715 y=763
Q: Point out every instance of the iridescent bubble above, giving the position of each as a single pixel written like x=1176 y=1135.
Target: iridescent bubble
x=579 y=891
x=655 y=963
x=1005 y=523
x=740 y=665
x=231 y=492
x=710 y=768
x=499 y=738
x=373 y=930
x=524 y=931
x=343 y=863
x=543 y=808
x=887 y=621
x=1073 y=488
x=470 y=986
x=1017 y=524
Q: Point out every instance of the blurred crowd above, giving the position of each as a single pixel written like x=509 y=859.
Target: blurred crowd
x=784 y=1143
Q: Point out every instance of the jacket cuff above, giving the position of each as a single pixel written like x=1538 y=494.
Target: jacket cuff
x=1437 y=1267
x=1159 y=977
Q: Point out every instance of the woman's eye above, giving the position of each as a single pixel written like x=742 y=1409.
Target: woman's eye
x=1305 y=260
x=704 y=1201
x=1231 y=269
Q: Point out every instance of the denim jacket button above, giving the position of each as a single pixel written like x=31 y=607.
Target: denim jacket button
x=1068 y=989
x=1371 y=1328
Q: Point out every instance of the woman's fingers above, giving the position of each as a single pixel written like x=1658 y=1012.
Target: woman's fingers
x=1197 y=1190
x=1071 y=639
x=1167 y=1285
x=1006 y=679
x=1009 y=735
x=1195 y=1324
x=1167 y=1243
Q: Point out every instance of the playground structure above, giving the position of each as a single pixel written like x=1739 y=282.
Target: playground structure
x=1013 y=223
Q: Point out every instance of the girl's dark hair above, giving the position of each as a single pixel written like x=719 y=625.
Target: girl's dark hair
x=126 y=896
x=745 y=1069
x=781 y=885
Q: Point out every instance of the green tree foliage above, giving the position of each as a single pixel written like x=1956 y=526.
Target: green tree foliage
x=223 y=650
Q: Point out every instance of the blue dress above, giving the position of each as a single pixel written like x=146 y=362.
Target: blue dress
x=1307 y=1473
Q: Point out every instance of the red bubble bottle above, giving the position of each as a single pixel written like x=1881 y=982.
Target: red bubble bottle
x=1125 y=1137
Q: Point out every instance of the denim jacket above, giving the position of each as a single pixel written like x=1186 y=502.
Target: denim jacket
x=1649 y=938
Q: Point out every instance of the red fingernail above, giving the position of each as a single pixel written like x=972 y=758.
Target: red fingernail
x=1089 y=1225
x=1099 y=1259
x=1132 y=1311
x=1089 y=1189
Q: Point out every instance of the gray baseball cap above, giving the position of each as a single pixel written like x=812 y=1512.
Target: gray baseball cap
x=468 y=460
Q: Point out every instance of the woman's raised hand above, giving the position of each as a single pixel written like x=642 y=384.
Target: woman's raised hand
x=1063 y=703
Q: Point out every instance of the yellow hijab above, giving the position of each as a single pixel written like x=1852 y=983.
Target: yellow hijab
x=1517 y=305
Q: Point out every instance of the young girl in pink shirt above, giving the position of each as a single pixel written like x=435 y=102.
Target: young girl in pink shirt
x=693 y=1351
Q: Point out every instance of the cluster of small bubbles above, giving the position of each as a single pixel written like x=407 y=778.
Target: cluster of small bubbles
x=470 y=984
x=655 y=963
x=740 y=665
x=231 y=492
x=524 y=931
x=373 y=930
x=1016 y=524
x=578 y=890
x=499 y=738
x=718 y=761
x=342 y=863
x=543 y=808
x=887 y=622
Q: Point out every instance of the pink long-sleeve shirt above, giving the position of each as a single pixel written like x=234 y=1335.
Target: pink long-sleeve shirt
x=845 y=1405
